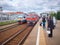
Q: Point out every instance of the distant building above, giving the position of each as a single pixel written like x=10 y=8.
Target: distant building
x=7 y=16
x=1 y=9
x=44 y=14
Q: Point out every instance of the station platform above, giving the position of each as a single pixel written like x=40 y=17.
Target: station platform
x=39 y=36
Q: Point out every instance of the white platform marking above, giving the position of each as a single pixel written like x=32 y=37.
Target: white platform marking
x=38 y=36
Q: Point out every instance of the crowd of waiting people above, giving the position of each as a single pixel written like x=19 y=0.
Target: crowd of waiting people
x=51 y=23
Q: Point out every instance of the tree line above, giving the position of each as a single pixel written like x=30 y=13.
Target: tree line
x=57 y=15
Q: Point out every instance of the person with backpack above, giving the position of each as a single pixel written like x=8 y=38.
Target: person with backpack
x=43 y=22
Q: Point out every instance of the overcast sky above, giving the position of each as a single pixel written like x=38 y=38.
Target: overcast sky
x=30 y=5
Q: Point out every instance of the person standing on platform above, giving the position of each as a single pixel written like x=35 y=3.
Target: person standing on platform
x=54 y=21
x=43 y=22
x=50 y=26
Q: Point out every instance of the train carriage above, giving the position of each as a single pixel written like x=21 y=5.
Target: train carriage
x=32 y=19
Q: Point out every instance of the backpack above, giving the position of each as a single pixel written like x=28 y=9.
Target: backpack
x=43 y=20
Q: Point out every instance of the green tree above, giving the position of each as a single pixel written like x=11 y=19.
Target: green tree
x=53 y=14
x=58 y=15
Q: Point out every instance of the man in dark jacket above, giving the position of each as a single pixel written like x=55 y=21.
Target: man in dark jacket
x=51 y=26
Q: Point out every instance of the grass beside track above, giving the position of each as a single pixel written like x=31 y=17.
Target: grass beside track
x=7 y=22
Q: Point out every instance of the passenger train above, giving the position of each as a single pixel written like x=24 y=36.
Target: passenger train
x=30 y=19
x=22 y=19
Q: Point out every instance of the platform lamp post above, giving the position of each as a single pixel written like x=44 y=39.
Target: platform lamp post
x=1 y=13
x=51 y=9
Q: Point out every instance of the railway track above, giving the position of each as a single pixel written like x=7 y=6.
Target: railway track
x=5 y=35
x=18 y=37
x=9 y=27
